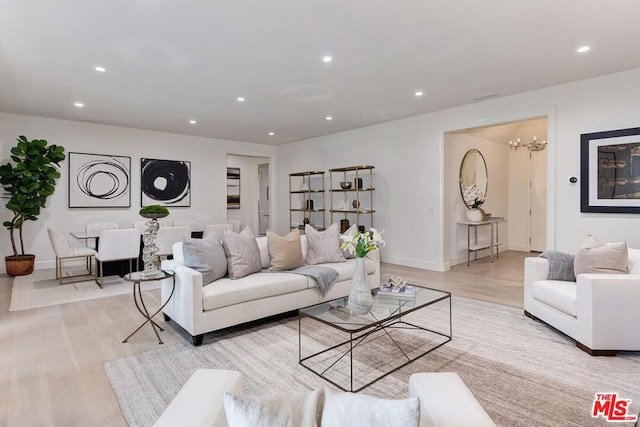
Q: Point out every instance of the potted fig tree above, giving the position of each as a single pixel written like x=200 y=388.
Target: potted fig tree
x=28 y=180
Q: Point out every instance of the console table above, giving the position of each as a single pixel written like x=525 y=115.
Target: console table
x=478 y=245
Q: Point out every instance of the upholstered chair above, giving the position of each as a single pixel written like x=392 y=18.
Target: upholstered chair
x=167 y=236
x=117 y=245
x=65 y=252
x=191 y=223
x=218 y=229
x=96 y=228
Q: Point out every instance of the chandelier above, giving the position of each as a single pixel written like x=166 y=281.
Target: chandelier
x=533 y=145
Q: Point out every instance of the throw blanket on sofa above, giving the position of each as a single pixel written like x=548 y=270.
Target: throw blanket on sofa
x=560 y=265
x=325 y=277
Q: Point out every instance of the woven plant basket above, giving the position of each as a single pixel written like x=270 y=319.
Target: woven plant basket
x=20 y=265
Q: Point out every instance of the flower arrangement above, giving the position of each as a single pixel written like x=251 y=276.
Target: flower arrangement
x=473 y=196
x=362 y=243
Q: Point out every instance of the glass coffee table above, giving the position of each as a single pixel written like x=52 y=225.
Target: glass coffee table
x=353 y=351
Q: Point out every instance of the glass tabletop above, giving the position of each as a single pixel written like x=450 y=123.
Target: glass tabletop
x=336 y=314
x=84 y=235
x=143 y=276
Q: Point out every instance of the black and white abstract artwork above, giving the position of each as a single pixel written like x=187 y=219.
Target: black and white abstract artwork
x=233 y=188
x=99 y=181
x=165 y=182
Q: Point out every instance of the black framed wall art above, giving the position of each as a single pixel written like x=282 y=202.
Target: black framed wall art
x=165 y=182
x=233 y=188
x=610 y=171
x=99 y=181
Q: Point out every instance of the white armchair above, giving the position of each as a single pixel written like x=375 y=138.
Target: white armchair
x=600 y=311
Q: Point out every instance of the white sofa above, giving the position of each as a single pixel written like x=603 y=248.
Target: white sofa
x=227 y=302
x=445 y=401
x=600 y=311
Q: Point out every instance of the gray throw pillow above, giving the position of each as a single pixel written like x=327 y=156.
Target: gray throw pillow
x=352 y=409
x=206 y=256
x=323 y=246
x=560 y=265
x=243 y=254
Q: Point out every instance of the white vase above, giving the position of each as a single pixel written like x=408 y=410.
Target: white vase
x=475 y=215
x=360 y=299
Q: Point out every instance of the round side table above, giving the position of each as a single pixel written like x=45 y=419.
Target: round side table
x=138 y=277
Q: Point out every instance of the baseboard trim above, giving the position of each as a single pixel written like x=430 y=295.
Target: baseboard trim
x=408 y=262
x=591 y=352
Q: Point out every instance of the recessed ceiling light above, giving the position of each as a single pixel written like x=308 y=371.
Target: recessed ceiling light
x=583 y=49
x=419 y=93
x=240 y=99
x=271 y=133
x=328 y=118
x=100 y=69
x=78 y=104
x=327 y=58
x=193 y=122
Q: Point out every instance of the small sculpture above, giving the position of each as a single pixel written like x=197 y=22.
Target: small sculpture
x=397 y=282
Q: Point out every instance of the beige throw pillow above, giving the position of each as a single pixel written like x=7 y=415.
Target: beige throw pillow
x=285 y=252
x=243 y=255
x=323 y=246
x=596 y=257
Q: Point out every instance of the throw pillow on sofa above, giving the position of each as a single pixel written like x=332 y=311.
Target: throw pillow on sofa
x=206 y=256
x=285 y=252
x=596 y=257
x=243 y=255
x=323 y=246
x=560 y=265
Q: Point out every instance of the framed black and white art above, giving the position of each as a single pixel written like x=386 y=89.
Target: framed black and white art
x=233 y=188
x=99 y=181
x=610 y=171
x=165 y=182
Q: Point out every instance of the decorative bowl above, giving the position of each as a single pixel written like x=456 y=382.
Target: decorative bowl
x=346 y=185
x=154 y=216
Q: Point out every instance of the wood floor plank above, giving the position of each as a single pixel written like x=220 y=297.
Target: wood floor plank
x=51 y=358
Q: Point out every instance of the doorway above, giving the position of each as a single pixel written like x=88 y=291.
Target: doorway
x=517 y=184
x=253 y=209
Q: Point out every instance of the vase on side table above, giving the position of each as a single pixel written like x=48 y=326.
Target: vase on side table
x=475 y=215
x=360 y=300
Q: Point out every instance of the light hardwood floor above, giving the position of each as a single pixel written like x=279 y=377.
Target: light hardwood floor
x=51 y=358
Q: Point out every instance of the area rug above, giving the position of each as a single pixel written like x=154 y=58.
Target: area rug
x=41 y=289
x=522 y=372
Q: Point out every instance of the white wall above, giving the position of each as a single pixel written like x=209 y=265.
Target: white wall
x=409 y=158
x=208 y=173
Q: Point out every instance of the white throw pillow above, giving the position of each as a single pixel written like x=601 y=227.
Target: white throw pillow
x=633 y=263
x=360 y=410
x=323 y=246
x=597 y=258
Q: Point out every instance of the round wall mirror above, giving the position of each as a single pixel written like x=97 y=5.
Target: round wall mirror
x=473 y=178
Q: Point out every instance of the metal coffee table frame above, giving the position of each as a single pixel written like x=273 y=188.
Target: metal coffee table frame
x=358 y=335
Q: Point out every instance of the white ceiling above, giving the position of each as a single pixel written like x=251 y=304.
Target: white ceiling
x=169 y=61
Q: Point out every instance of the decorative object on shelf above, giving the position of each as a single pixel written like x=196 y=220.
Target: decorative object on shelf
x=475 y=215
x=398 y=288
x=342 y=205
x=309 y=204
x=165 y=181
x=533 y=145
x=474 y=198
x=307 y=199
x=153 y=213
x=344 y=225
x=42 y=161
x=305 y=221
x=358 y=183
x=355 y=204
x=345 y=185
x=360 y=300
x=99 y=180
x=397 y=282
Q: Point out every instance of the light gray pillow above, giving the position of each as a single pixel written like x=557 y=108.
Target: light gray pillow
x=243 y=254
x=323 y=246
x=595 y=257
x=351 y=231
x=360 y=410
x=280 y=410
x=206 y=256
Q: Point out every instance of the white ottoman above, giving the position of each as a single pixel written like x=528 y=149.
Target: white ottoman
x=446 y=402
x=200 y=402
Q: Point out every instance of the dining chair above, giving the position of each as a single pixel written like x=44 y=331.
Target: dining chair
x=117 y=245
x=191 y=223
x=65 y=252
x=95 y=228
x=218 y=229
x=167 y=236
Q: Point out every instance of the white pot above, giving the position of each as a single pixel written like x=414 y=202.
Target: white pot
x=475 y=215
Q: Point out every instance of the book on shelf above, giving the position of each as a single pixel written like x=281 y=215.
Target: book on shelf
x=388 y=291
